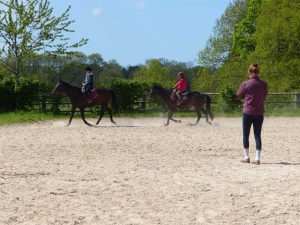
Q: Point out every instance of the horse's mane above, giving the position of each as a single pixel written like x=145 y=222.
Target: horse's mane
x=69 y=85
x=161 y=88
x=157 y=87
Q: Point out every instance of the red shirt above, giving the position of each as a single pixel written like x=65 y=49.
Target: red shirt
x=254 y=93
x=181 y=85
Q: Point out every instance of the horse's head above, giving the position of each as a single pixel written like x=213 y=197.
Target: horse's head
x=59 y=88
x=158 y=91
x=153 y=93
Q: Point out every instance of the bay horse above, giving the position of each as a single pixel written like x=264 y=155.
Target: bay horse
x=191 y=99
x=100 y=97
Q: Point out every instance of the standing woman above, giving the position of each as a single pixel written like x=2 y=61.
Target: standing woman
x=253 y=92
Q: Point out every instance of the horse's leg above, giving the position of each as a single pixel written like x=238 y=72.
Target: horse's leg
x=171 y=118
x=101 y=115
x=206 y=115
x=110 y=115
x=170 y=113
x=198 y=111
x=176 y=121
x=82 y=117
x=71 y=116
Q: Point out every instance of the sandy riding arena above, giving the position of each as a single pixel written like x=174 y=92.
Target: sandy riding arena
x=141 y=172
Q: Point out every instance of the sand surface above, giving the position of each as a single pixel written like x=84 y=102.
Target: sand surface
x=141 y=172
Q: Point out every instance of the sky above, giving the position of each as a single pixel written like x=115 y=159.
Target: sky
x=132 y=31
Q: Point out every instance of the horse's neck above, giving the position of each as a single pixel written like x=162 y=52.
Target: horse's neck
x=71 y=90
x=166 y=94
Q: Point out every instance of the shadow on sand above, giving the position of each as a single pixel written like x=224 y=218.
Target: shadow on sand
x=282 y=163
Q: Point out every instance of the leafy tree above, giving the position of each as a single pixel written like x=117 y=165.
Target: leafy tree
x=218 y=48
x=244 y=41
x=27 y=28
x=218 y=55
x=73 y=72
x=111 y=71
x=278 y=44
x=78 y=57
x=154 y=72
x=128 y=72
x=96 y=60
x=228 y=98
x=175 y=67
x=206 y=81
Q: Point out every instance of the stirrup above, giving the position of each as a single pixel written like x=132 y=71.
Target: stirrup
x=179 y=102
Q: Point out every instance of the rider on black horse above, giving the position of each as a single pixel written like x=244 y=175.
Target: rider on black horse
x=180 y=87
x=88 y=84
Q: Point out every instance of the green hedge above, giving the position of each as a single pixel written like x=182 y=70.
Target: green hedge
x=22 y=98
x=29 y=92
x=129 y=92
x=229 y=100
x=7 y=93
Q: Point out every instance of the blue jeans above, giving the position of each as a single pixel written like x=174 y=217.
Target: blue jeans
x=257 y=122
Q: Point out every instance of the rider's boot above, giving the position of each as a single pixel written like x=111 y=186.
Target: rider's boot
x=179 y=102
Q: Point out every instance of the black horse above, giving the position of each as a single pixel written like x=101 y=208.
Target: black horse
x=191 y=99
x=99 y=97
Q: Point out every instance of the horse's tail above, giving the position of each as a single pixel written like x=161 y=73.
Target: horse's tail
x=114 y=100
x=207 y=106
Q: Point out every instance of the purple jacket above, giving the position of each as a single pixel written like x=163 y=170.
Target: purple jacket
x=254 y=93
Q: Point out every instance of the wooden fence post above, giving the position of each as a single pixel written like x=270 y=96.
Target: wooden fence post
x=298 y=100
x=143 y=103
x=43 y=103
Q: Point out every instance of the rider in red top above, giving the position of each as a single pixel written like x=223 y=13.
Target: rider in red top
x=180 y=87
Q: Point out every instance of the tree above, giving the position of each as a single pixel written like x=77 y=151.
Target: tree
x=111 y=70
x=278 y=44
x=128 y=72
x=244 y=41
x=154 y=71
x=27 y=28
x=218 y=48
x=96 y=60
x=174 y=66
x=78 y=57
x=205 y=81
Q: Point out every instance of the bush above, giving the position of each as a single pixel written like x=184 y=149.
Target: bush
x=128 y=92
x=228 y=99
x=23 y=98
x=27 y=93
x=7 y=93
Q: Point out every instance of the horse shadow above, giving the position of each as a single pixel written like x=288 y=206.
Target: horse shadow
x=282 y=163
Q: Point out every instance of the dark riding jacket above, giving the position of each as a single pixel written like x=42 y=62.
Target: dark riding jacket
x=88 y=83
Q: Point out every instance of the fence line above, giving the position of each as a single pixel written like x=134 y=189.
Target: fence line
x=45 y=104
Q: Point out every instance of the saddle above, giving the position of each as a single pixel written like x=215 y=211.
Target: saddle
x=93 y=95
x=184 y=96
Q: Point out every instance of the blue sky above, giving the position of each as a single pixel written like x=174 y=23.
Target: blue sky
x=132 y=31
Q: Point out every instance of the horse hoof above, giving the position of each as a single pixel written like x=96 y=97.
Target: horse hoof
x=179 y=121
x=166 y=124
